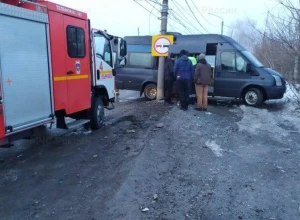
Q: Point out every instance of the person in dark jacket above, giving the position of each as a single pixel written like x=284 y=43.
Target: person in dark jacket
x=169 y=78
x=183 y=71
x=202 y=78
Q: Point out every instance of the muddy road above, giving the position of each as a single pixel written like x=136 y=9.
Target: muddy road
x=156 y=162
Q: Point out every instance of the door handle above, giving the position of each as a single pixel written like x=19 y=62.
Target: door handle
x=70 y=72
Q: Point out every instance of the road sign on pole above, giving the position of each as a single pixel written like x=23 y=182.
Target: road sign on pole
x=160 y=45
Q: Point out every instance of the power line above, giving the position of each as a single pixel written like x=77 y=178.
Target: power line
x=153 y=6
x=155 y=1
x=195 y=16
x=188 y=29
x=177 y=29
x=178 y=18
x=145 y=8
x=182 y=15
x=179 y=22
x=173 y=13
x=179 y=7
x=182 y=19
x=200 y=12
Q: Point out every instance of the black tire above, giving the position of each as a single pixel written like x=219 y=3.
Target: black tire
x=97 y=113
x=150 y=91
x=253 y=97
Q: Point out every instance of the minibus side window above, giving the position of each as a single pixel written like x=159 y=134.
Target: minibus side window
x=140 y=60
x=228 y=61
x=241 y=63
x=233 y=62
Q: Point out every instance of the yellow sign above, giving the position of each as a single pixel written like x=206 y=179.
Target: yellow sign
x=160 y=45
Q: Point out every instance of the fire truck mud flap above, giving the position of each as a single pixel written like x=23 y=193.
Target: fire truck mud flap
x=25 y=68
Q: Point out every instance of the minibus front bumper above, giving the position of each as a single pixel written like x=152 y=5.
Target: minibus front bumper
x=275 y=92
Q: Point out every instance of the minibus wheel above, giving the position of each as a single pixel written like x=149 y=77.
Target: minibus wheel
x=253 y=97
x=150 y=91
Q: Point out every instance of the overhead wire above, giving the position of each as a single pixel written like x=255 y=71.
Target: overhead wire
x=195 y=17
x=200 y=12
x=188 y=23
x=155 y=1
x=153 y=6
x=179 y=7
x=176 y=29
x=188 y=29
x=182 y=16
x=178 y=18
x=144 y=8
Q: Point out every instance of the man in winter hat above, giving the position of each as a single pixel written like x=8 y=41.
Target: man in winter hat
x=183 y=71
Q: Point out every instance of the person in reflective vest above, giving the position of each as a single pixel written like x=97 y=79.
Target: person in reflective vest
x=192 y=93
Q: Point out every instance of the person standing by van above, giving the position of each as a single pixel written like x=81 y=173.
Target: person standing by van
x=202 y=79
x=192 y=85
x=183 y=71
x=169 y=78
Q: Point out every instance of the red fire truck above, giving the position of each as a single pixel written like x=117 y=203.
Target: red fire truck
x=53 y=66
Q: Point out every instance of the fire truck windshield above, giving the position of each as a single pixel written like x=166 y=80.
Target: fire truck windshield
x=102 y=48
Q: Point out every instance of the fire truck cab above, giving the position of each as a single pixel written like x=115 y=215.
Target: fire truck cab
x=53 y=66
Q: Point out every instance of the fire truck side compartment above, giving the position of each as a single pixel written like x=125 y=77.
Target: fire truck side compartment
x=25 y=68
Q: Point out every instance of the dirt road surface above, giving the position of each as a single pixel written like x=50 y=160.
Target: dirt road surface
x=152 y=161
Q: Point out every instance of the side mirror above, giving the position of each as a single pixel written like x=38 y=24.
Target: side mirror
x=114 y=73
x=115 y=41
x=114 y=58
x=123 y=61
x=123 y=48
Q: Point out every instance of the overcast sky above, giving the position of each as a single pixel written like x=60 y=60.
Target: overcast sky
x=124 y=17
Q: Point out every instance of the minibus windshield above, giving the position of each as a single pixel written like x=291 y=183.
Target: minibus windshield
x=252 y=58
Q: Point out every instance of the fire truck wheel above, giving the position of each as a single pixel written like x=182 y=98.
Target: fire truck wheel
x=97 y=116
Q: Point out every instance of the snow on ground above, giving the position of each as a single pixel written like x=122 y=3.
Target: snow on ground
x=278 y=123
x=292 y=97
x=216 y=149
x=255 y=120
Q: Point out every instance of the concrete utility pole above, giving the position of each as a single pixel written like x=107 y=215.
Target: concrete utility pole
x=161 y=61
x=222 y=23
x=222 y=27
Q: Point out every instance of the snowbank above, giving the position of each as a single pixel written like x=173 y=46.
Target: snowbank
x=279 y=122
x=292 y=97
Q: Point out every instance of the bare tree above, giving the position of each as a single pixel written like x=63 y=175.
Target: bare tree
x=284 y=28
x=278 y=45
x=245 y=34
